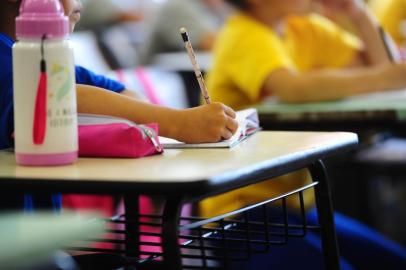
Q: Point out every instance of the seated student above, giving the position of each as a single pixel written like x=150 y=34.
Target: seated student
x=274 y=48
x=298 y=58
x=392 y=15
x=202 y=18
x=99 y=95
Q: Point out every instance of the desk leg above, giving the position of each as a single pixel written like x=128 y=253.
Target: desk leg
x=326 y=216
x=132 y=226
x=170 y=227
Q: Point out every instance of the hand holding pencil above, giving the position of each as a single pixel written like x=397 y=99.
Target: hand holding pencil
x=211 y=122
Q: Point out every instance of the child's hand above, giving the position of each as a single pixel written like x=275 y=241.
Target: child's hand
x=208 y=123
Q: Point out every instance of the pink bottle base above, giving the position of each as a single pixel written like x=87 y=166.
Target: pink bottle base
x=46 y=159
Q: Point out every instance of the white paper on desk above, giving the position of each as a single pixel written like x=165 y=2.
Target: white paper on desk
x=248 y=124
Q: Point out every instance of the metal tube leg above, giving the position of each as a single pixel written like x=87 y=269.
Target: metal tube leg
x=170 y=228
x=326 y=216
x=132 y=226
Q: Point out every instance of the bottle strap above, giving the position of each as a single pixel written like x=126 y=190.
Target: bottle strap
x=40 y=117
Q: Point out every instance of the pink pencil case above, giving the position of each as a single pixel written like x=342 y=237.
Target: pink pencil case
x=104 y=136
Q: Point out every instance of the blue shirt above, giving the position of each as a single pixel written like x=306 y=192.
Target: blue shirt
x=83 y=76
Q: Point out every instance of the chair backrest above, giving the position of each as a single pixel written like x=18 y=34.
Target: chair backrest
x=159 y=86
x=87 y=52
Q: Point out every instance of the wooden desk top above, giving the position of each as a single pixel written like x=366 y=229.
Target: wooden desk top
x=186 y=170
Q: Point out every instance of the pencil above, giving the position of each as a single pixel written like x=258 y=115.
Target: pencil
x=195 y=64
x=385 y=42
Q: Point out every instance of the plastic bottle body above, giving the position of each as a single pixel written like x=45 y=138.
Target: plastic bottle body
x=60 y=145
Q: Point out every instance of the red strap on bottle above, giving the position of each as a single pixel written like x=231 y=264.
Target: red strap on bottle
x=40 y=113
x=40 y=116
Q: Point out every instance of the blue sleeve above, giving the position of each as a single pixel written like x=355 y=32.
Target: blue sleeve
x=6 y=112
x=84 y=76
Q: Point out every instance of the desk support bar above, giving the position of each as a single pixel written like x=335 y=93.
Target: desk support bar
x=325 y=214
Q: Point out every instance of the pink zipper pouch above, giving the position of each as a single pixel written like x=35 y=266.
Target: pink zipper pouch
x=104 y=136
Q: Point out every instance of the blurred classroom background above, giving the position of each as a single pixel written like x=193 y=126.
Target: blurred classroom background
x=138 y=43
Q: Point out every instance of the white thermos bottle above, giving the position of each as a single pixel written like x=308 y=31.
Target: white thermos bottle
x=45 y=114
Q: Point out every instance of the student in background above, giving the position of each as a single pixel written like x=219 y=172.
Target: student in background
x=99 y=95
x=392 y=15
x=299 y=58
x=202 y=18
x=274 y=48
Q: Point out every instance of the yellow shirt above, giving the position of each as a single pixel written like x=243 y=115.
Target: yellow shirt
x=245 y=55
x=247 y=52
x=391 y=14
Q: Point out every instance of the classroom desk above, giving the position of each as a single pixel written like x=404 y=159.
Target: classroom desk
x=378 y=110
x=189 y=175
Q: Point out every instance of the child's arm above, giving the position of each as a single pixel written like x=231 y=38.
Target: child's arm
x=367 y=27
x=134 y=94
x=329 y=84
x=209 y=123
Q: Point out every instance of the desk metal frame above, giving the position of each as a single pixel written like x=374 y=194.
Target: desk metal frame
x=171 y=217
x=172 y=257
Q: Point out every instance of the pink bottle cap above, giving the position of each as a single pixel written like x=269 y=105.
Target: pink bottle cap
x=41 y=17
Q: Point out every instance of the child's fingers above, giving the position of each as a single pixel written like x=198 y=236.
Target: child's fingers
x=232 y=125
x=229 y=112
x=226 y=134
